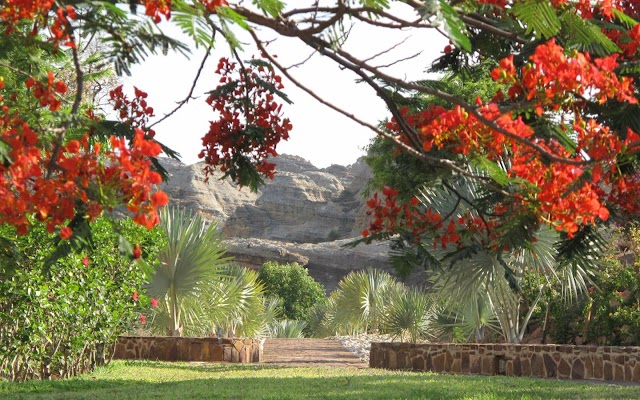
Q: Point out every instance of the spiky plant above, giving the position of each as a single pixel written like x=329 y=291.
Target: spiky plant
x=474 y=319
x=409 y=314
x=243 y=292
x=362 y=298
x=287 y=328
x=471 y=268
x=190 y=262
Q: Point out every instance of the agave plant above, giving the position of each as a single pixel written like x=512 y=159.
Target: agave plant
x=362 y=298
x=189 y=264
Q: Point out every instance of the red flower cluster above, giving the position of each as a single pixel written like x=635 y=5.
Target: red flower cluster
x=555 y=80
x=12 y=12
x=54 y=181
x=561 y=194
x=47 y=92
x=156 y=8
x=388 y=216
x=250 y=123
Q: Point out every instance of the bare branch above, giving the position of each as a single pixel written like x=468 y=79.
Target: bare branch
x=398 y=61
x=193 y=86
x=383 y=52
x=445 y=163
x=296 y=65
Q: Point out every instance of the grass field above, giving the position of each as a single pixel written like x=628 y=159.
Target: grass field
x=155 y=380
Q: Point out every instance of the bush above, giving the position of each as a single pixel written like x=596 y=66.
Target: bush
x=61 y=320
x=409 y=314
x=291 y=284
x=362 y=299
x=609 y=313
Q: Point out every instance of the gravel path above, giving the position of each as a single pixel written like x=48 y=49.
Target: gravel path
x=361 y=345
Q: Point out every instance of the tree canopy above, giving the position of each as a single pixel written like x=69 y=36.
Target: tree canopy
x=556 y=146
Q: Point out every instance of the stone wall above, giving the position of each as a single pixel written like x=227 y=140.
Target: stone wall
x=603 y=363
x=206 y=349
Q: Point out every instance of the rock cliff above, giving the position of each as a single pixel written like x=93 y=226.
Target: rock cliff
x=303 y=215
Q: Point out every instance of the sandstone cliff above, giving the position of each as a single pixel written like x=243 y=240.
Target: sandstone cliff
x=304 y=215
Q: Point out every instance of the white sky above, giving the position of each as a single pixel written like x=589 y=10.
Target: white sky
x=319 y=134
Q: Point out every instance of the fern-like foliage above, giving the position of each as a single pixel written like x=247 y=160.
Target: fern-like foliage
x=584 y=35
x=539 y=16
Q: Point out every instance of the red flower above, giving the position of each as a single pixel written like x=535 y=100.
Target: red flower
x=159 y=199
x=137 y=252
x=135 y=295
x=66 y=233
x=85 y=261
x=154 y=302
x=143 y=319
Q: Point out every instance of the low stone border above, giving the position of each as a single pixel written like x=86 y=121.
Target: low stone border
x=165 y=348
x=602 y=363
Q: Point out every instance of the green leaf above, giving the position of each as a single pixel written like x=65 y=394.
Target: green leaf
x=194 y=25
x=495 y=172
x=229 y=14
x=273 y=89
x=629 y=68
x=454 y=26
x=379 y=4
x=586 y=36
x=270 y=7
x=624 y=18
x=539 y=17
x=5 y=152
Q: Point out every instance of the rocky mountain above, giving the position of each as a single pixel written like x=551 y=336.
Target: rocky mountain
x=303 y=215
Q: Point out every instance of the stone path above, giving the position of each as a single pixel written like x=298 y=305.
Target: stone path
x=309 y=353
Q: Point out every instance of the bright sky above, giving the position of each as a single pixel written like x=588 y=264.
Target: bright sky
x=319 y=134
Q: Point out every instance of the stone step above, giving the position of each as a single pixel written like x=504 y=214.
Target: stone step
x=309 y=352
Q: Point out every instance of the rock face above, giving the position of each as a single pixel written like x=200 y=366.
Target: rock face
x=304 y=215
x=326 y=262
x=303 y=204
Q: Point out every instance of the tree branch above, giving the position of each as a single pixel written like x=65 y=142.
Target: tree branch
x=193 y=86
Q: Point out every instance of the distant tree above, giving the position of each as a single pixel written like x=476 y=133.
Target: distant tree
x=297 y=291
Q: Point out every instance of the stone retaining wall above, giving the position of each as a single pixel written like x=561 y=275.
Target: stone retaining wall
x=164 y=348
x=603 y=363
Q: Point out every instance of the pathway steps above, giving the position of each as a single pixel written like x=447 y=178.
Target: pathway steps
x=309 y=353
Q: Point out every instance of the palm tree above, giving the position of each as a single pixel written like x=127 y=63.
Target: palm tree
x=191 y=261
x=362 y=298
x=409 y=315
x=462 y=273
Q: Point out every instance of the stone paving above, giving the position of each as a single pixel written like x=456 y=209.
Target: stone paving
x=309 y=353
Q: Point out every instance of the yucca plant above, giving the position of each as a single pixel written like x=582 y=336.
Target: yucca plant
x=409 y=314
x=322 y=319
x=189 y=264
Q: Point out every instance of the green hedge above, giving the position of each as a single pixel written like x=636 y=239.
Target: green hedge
x=61 y=320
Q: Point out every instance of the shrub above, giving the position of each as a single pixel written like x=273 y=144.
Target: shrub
x=362 y=299
x=291 y=284
x=62 y=319
x=287 y=328
x=609 y=313
x=409 y=314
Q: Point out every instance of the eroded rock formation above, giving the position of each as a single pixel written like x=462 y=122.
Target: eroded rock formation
x=304 y=215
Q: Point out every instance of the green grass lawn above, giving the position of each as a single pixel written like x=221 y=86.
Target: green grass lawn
x=155 y=380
